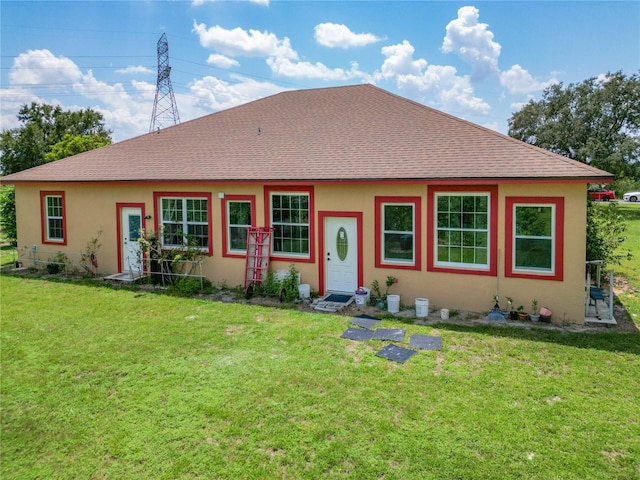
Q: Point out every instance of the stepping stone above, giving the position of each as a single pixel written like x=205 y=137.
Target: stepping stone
x=357 y=334
x=396 y=353
x=365 y=321
x=425 y=342
x=393 y=334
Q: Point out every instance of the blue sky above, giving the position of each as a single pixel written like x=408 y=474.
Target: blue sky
x=477 y=60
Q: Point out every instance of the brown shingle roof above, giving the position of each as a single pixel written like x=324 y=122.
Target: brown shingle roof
x=351 y=133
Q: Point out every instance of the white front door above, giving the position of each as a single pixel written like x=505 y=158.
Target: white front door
x=341 y=254
x=130 y=225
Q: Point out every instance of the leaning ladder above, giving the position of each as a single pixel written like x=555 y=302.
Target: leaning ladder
x=258 y=252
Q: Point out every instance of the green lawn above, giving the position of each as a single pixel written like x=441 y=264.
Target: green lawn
x=7 y=254
x=100 y=383
x=630 y=269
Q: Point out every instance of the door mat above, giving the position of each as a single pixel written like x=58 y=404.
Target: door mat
x=365 y=321
x=396 y=353
x=357 y=334
x=425 y=342
x=393 y=334
x=337 y=298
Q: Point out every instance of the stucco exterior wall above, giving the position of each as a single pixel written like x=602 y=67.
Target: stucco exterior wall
x=92 y=208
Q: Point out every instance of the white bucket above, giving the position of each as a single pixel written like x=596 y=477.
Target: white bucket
x=444 y=314
x=393 y=303
x=422 y=307
x=361 y=297
x=304 y=289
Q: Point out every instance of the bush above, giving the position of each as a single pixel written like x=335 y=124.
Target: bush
x=8 y=214
x=187 y=287
x=285 y=289
x=605 y=233
x=290 y=290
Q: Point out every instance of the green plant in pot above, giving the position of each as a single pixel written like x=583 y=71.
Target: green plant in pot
x=57 y=264
x=522 y=315
x=535 y=315
x=513 y=315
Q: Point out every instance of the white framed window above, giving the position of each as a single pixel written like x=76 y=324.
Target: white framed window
x=290 y=218
x=53 y=218
x=398 y=233
x=184 y=221
x=534 y=238
x=55 y=230
x=462 y=230
x=238 y=216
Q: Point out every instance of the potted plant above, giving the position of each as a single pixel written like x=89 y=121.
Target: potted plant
x=57 y=264
x=522 y=315
x=535 y=316
x=513 y=315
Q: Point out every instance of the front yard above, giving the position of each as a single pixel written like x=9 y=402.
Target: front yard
x=99 y=383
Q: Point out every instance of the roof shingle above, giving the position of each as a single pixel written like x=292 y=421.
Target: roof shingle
x=353 y=133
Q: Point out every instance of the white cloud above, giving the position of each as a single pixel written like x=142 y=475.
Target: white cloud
x=43 y=68
x=400 y=61
x=222 y=61
x=144 y=90
x=133 y=69
x=239 y=42
x=436 y=85
x=473 y=42
x=211 y=94
x=333 y=35
x=11 y=100
x=515 y=106
x=519 y=81
x=285 y=67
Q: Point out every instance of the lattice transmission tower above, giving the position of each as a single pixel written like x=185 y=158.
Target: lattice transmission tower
x=165 y=110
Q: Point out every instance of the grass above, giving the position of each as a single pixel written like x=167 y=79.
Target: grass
x=7 y=254
x=629 y=268
x=101 y=383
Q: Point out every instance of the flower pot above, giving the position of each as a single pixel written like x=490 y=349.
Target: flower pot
x=523 y=316
x=513 y=315
x=534 y=317
x=53 y=268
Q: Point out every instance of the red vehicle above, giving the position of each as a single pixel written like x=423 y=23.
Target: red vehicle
x=602 y=195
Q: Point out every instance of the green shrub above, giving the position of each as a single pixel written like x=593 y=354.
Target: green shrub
x=186 y=287
x=605 y=234
x=290 y=290
x=8 y=214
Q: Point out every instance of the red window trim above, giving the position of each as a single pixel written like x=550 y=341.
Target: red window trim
x=322 y=215
x=43 y=218
x=225 y=221
x=432 y=244
x=558 y=267
x=156 y=210
x=417 y=219
x=268 y=190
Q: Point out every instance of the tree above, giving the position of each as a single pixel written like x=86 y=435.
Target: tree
x=8 y=214
x=44 y=126
x=605 y=234
x=74 y=144
x=596 y=122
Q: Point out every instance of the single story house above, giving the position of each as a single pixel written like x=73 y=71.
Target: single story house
x=358 y=184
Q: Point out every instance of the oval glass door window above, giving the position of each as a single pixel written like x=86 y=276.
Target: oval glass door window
x=342 y=244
